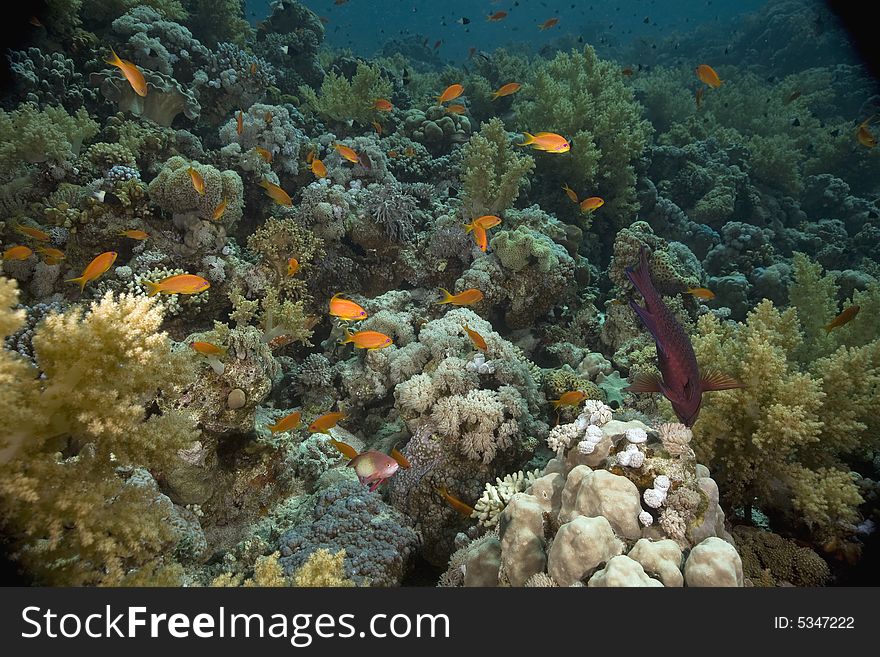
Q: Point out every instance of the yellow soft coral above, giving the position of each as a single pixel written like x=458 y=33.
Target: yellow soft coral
x=323 y=569
x=781 y=440
x=74 y=430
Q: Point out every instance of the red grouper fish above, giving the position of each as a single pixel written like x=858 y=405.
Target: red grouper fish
x=681 y=382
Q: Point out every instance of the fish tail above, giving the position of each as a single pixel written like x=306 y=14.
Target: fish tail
x=113 y=60
x=154 y=288
x=469 y=227
x=348 y=336
x=81 y=281
x=640 y=275
x=447 y=297
x=530 y=139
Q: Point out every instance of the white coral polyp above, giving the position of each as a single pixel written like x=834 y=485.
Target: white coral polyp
x=636 y=435
x=654 y=498
x=646 y=519
x=661 y=482
x=600 y=414
x=586 y=447
x=631 y=457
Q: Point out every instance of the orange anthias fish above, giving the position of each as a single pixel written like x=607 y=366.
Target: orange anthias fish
x=708 y=75
x=572 y=398
x=219 y=210
x=292 y=266
x=367 y=339
x=275 y=192
x=402 y=461
x=344 y=448
x=506 y=90
x=239 y=122
x=345 y=309
x=680 y=380
x=266 y=155
x=34 y=233
x=207 y=348
x=17 y=253
x=570 y=193
x=703 y=293
x=318 y=168
x=51 y=256
x=451 y=92
x=845 y=317
x=698 y=97
x=310 y=156
x=383 y=105
x=465 y=510
x=591 y=203
x=373 y=468
x=326 y=421
x=456 y=109
x=481 y=238
x=287 y=423
x=131 y=72
x=863 y=134
x=377 y=127
x=348 y=153
x=134 y=234
x=177 y=284
x=197 y=181
x=465 y=298
x=546 y=141
x=497 y=16
x=547 y=24
x=476 y=338
x=95 y=269
x=485 y=222
x=253 y=68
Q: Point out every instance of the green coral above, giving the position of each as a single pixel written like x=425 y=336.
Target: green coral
x=31 y=135
x=75 y=508
x=217 y=21
x=493 y=171
x=520 y=248
x=770 y=560
x=173 y=191
x=340 y=99
x=586 y=100
x=784 y=438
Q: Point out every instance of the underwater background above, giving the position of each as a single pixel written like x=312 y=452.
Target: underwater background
x=526 y=293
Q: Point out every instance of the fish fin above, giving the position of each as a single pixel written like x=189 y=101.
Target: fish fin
x=469 y=227
x=348 y=336
x=530 y=139
x=446 y=296
x=376 y=484
x=645 y=382
x=152 y=287
x=713 y=380
x=81 y=281
x=646 y=317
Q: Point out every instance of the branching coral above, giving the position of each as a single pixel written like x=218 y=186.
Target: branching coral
x=340 y=99
x=781 y=440
x=585 y=99
x=76 y=511
x=493 y=171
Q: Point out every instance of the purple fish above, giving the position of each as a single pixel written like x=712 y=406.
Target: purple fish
x=373 y=468
x=681 y=382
